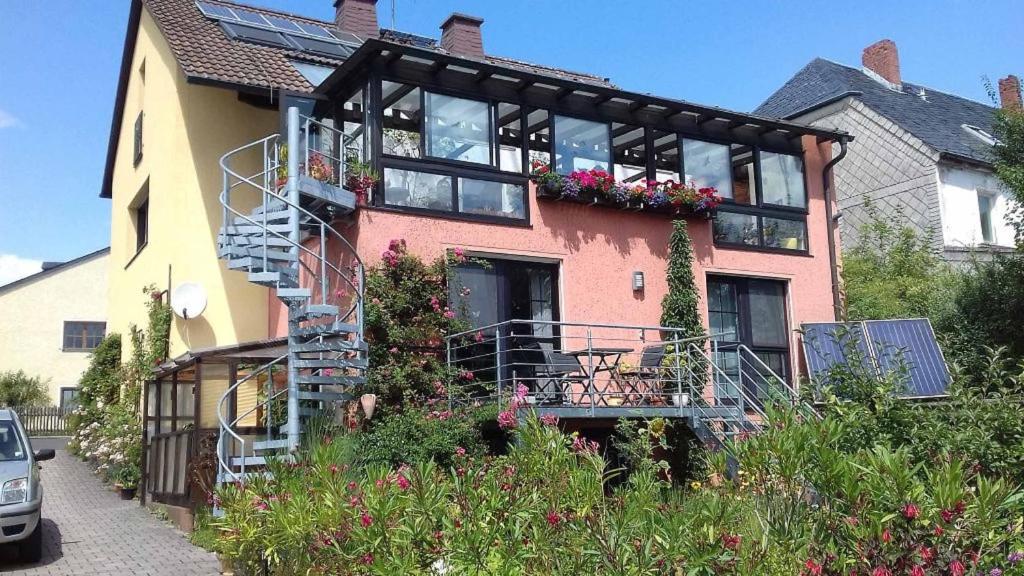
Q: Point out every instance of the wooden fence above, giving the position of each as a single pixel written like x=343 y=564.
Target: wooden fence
x=44 y=420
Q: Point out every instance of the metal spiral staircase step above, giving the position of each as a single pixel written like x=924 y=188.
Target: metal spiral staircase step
x=259 y=460
x=310 y=379
x=252 y=240
x=294 y=294
x=323 y=329
x=237 y=251
x=273 y=217
x=331 y=345
x=274 y=280
x=279 y=444
x=338 y=363
x=313 y=311
x=325 y=396
x=255 y=229
x=254 y=264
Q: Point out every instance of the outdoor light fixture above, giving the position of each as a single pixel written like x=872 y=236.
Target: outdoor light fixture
x=638 y=281
x=369 y=404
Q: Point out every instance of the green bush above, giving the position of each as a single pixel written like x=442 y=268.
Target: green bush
x=797 y=505
x=417 y=435
x=19 y=389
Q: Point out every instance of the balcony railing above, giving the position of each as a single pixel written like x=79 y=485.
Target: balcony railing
x=611 y=370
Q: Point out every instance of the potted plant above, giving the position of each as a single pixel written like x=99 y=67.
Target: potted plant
x=360 y=178
x=126 y=480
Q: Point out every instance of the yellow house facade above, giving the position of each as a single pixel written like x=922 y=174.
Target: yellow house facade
x=163 y=180
x=51 y=321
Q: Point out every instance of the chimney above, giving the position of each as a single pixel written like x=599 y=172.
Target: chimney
x=883 y=59
x=1009 y=93
x=358 y=17
x=460 y=35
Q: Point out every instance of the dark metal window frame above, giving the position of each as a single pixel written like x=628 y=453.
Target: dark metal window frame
x=453 y=169
x=83 y=335
x=137 y=140
x=63 y=389
x=741 y=285
x=759 y=208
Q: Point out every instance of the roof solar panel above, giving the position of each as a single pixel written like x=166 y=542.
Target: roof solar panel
x=314 y=30
x=216 y=11
x=910 y=343
x=251 y=17
x=282 y=24
x=330 y=49
x=884 y=346
x=254 y=34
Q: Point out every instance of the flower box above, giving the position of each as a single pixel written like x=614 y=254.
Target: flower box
x=598 y=188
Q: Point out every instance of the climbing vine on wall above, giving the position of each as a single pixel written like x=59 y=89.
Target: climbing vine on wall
x=679 y=308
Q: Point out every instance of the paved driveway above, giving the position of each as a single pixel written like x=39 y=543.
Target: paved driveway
x=88 y=530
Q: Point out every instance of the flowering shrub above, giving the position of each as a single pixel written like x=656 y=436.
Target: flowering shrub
x=796 y=505
x=599 y=184
x=360 y=178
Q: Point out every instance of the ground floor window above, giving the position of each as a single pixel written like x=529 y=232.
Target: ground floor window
x=68 y=398
x=747 y=316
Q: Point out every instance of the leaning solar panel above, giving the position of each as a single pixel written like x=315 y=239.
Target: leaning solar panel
x=910 y=344
x=829 y=343
x=216 y=11
x=330 y=49
x=253 y=34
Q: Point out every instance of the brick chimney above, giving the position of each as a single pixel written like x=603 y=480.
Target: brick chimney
x=358 y=17
x=883 y=59
x=1009 y=92
x=460 y=34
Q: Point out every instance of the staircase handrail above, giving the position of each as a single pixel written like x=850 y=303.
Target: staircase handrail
x=794 y=395
x=225 y=427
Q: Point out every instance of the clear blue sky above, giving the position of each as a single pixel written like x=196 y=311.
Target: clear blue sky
x=59 y=61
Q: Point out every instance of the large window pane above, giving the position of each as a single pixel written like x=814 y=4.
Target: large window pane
x=458 y=129
x=580 y=145
x=767 y=312
x=539 y=136
x=354 y=123
x=629 y=154
x=491 y=198
x=744 y=181
x=733 y=228
x=782 y=180
x=510 y=138
x=666 y=157
x=480 y=305
x=707 y=165
x=417 y=189
x=785 y=233
x=401 y=121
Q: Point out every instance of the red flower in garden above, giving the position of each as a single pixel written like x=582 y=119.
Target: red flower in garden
x=886 y=536
x=881 y=571
x=938 y=530
x=911 y=511
x=947 y=516
x=956 y=568
x=812 y=568
x=731 y=541
x=366 y=520
x=553 y=518
x=927 y=554
x=403 y=482
x=367 y=558
x=917 y=570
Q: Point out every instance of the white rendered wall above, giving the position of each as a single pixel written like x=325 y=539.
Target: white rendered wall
x=961 y=221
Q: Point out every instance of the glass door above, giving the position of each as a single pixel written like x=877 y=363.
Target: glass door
x=751 y=312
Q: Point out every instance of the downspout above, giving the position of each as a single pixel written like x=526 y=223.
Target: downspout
x=826 y=173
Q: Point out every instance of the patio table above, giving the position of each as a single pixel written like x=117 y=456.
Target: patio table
x=605 y=359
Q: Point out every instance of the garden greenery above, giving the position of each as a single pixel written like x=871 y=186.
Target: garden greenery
x=106 y=426
x=19 y=389
x=680 y=307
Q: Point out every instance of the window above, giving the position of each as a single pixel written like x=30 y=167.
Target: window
x=499 y=199
x=68 y=398
x=581 y=145
x=141 y=217
x=539 y=136
x=354 y=126
x=629 y=154
x=782 y=180
x=83 y=336
x=137 y=149
x=985 y=203
x=458 y=129
x=510 y=137
x=707 y=166
x=401 y=105
x=766 y=206
x=417 y=189
x=666 y=156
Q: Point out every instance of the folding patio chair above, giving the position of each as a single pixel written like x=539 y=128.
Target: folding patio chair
x=552 y=374
x=645 y=379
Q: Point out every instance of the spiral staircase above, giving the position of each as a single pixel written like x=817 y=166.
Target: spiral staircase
x=278 y=201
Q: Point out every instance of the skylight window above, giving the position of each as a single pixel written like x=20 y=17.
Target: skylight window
x=981 y=134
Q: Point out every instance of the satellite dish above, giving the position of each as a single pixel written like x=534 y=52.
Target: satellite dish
x=188 y=300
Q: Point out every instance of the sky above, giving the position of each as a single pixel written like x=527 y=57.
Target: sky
x=59 y=61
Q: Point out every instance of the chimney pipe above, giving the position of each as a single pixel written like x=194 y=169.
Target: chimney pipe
x=357 y=17
x=460 y=34
x=1009 y=93
x=883 y=59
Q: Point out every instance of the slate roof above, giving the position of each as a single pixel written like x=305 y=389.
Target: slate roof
x=937 y=118
x=205 y=52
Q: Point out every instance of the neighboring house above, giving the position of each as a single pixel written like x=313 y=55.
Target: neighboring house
x=925 y=152
x=51 y=321
x=452 y=132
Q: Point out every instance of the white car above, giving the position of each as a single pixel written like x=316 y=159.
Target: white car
x=21 y=493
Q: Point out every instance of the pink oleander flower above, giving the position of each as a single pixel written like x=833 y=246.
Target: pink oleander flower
x=466 y=375
x=507 y=420
x=812 y=568
x=449 y=314
x=881 y=571
x=479 y=336
x=403 y=483
x=553 y=518
x=366 y=520
x=333 y=468
x=460 y=451
x=917 y=570
x=549 y=420
x=956 y=568
x=367 y=558
x=911 y=511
